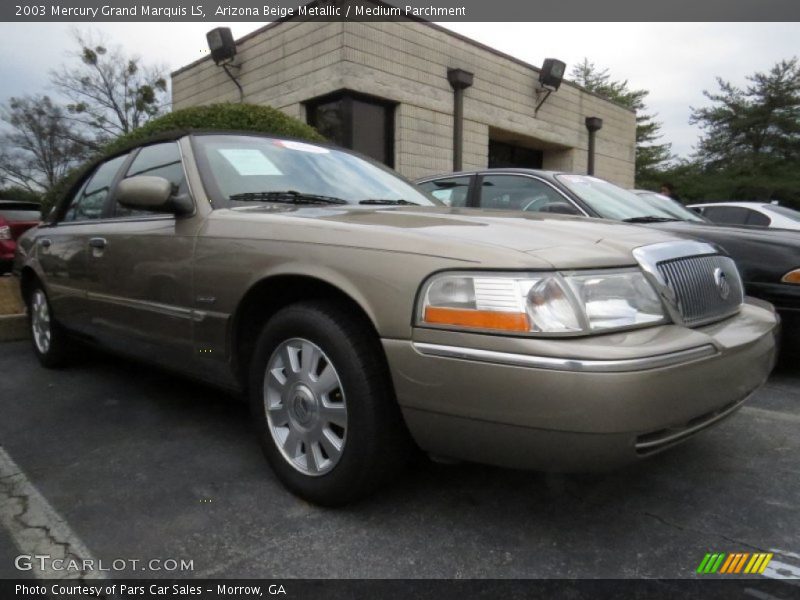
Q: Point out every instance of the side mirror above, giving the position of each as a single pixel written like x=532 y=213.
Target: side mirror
x=146 y=192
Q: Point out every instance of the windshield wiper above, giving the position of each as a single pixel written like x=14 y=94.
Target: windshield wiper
x=388 y=202
x=649 y=219
x=288 y=196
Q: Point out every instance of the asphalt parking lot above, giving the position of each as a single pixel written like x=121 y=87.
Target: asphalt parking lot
x=142 y=464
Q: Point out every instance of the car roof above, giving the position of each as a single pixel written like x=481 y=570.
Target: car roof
x=744 y=204
x=505 y=170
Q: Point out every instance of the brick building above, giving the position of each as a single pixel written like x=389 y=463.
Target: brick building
x=382 y=88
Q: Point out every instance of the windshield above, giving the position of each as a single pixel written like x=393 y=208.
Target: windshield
x=612 y=202
x=238 y=168
x=670 y=206
x=785 y=212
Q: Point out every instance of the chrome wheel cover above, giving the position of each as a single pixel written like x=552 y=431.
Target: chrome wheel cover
x=40 y=321
x=305 y=406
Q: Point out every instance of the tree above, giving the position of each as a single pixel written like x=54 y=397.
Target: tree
x=750 y=142
x=755 y=128
x=39 y=146
x=110 y=93
x=650 y=156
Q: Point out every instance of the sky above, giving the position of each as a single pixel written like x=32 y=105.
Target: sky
x=674 y=61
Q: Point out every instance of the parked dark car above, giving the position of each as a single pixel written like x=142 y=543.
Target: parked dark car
x=15 y=219
x=768 y=259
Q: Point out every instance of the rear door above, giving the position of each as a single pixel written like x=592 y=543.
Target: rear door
x=141 y=270
x=62 y=247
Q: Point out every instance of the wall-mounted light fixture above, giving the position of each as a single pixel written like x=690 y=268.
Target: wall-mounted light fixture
x=223 y=53
x=550 y=77
x=593 y=125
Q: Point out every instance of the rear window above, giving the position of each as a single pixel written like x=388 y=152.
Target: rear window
x=785 y=212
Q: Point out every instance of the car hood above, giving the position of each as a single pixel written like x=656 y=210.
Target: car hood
x=498 y=238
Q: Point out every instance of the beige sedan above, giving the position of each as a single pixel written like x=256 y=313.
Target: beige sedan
x=363 y=318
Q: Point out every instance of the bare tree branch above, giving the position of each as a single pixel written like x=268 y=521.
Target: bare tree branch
x=110 y=92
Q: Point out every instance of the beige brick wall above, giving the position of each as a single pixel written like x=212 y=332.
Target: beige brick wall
x=408 y=62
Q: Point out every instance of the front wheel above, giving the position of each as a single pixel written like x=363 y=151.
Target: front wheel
x=323 y=404
x=49 y=340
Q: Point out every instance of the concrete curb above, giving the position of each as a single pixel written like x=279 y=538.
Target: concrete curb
x=13 y=328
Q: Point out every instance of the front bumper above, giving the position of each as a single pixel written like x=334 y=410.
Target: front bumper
x=578 y=404
x=784 y=296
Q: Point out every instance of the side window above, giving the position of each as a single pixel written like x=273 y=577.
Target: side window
x=159 y=160
x=453 y=191
x=88 y=203
x=756 y=218
x=514 y=192
x=727 y=215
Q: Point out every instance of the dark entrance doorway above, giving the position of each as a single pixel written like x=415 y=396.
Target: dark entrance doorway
x=503 y=154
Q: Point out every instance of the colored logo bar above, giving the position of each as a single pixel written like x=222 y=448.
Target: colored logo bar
x=734 y=563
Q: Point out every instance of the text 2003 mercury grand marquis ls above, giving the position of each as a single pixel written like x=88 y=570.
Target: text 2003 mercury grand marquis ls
x=362 y=317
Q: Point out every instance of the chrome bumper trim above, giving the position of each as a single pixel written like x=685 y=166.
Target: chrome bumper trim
x=567 y=364
x=670 y=436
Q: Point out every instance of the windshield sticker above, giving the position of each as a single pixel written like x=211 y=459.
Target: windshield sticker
x=301 y=147
x=248 y=161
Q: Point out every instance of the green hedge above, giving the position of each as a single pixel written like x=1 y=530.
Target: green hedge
x=222 y=117
x=237 y=117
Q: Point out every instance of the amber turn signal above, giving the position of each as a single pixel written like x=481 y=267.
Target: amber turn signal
x=478 y=319
x=792 y=277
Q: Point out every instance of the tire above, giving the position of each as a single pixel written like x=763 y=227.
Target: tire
x=50 y=342
x=334 y=432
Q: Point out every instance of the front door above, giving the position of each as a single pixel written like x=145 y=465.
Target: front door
x=141 y=268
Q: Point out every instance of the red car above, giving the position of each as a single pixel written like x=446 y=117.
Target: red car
x=15 y=219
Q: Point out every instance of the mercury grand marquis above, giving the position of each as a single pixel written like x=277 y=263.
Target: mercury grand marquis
x=364 y=319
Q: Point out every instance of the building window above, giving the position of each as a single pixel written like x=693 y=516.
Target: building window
x=362 y=123
x=503 y=154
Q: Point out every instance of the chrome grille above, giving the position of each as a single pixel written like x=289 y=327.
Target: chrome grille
x=707 y=288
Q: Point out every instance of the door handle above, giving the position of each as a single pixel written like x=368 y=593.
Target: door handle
x=45 y=242
x=98 y=242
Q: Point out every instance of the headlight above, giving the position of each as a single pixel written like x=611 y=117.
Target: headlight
x=571 y=303
x=791 y=277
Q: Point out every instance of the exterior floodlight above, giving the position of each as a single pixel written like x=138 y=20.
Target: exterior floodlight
x=552 y=73
x=221 y=44
x=550 y=77
x=223 y=51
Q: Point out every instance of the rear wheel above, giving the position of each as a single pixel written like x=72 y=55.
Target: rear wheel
x=49 y=340
x=324 y=406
